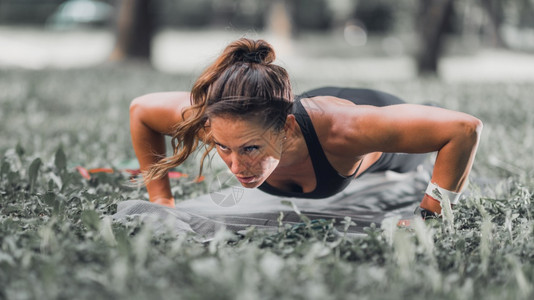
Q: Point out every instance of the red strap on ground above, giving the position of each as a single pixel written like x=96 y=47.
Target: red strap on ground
x=83 y=171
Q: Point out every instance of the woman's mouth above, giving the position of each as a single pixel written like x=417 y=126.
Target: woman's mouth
x=247 y=179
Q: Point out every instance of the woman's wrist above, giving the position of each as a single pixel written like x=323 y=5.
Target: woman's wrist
x=440 y=194
x=435 y=195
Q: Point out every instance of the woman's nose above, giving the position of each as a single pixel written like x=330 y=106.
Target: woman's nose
x=237 y=165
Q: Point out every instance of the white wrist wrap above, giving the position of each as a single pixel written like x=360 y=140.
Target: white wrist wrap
x=438 y=193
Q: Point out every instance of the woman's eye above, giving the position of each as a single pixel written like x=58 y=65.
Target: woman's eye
x=250 y=149
x=224 y=148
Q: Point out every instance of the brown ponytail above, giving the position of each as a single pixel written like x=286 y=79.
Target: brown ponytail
x=243 y=83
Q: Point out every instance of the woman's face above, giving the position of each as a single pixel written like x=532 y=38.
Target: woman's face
x=250 y=151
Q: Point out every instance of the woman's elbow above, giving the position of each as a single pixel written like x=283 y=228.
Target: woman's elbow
x=136 y=105
x=472 y=129
x=479 y=126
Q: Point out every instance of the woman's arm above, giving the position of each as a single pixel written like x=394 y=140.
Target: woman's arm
x=412 y=128
x=153 y=116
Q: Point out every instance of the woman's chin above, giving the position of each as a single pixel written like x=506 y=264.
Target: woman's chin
x=250 y=182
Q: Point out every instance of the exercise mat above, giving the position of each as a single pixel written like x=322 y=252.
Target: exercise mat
x=368 y=199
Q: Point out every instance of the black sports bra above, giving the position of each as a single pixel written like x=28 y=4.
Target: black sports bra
x=328 y=181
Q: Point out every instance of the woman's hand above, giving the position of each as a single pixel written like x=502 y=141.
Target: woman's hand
x=169 y=202
x=430 y=204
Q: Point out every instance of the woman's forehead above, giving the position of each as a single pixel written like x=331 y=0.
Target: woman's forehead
x=238 y=131
x=236 y=122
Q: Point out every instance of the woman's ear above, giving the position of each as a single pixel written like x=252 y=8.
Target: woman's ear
x=291 y=124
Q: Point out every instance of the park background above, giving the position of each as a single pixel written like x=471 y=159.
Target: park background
x=68 y=70
x=349 y=39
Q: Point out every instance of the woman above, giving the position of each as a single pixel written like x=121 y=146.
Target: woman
x=312 y=146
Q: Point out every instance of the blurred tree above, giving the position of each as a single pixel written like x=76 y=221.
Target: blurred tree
x=431 y=24
x=495 y=12
x=525 y=13
x=279 y=20
x=377 y=16
x=134 y=31
x=310 y=15
x=34 y=12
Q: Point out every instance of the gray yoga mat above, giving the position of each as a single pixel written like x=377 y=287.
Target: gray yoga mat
x=368 y=199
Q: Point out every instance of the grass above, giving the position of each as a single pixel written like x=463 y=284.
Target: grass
x=57 y=240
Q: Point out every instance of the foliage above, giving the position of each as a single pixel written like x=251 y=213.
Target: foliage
x=57 y=240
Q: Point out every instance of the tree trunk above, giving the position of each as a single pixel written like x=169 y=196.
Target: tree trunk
x=431 y=23
x=134 y=30
x=279 y=19
x=279 y=25
x=525 y=14
x=494 y=11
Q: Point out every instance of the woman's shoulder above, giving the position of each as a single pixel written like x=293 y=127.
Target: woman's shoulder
x=161 y=111
x=328 y=107
x=334 y=121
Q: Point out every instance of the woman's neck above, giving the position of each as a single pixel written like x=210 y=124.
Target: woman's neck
x=295 y=150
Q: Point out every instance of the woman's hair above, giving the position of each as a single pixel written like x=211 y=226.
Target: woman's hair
x=242 y=83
